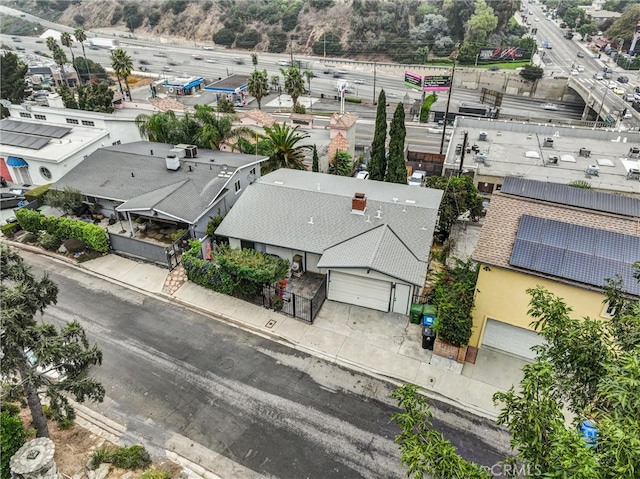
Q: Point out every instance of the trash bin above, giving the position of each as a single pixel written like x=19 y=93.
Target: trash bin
x=415 y=313
x=428 y=334
x=429 y=310
x=589 y=433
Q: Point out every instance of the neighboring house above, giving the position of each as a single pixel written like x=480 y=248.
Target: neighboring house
x=601 y=16
x=257 y=118
x=607 y=160
x=140 y=180
x=338 y=143
x=567 y=239
x=372 y=239
x=37 y=152
x=345 y=125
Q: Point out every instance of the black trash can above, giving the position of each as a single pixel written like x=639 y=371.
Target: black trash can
x=428 y=334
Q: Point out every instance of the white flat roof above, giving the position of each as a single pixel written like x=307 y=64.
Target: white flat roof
x=509 y=145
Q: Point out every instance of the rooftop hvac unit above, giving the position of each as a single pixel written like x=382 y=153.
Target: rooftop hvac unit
x=584 y=153
x=633 y=174
x=592 y=170
x=190 y=151
x=172 y=162
x=483 y=136
x=634 y=152
x=548 y=143
x=480 y=158
x=553 y=160
x=178 y=152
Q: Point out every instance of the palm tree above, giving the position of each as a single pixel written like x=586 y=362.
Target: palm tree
x=254 y=60
x=214 y=129
x=122 y=67
x=67 y=41
x=82 y=37
x=275 y=81
x=258 y=86
x=160 y=127
x=293 y=83
x=284 y=149
x=308 y=75
x=60 y=58
x=52 y=43
x=342 y=164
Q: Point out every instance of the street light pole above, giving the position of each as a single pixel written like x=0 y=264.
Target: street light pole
x=600 y=110
x=446 y=113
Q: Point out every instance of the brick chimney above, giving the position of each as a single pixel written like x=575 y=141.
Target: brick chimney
x=358 y=204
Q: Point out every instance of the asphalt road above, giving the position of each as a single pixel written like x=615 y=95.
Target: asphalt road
x=272 y=409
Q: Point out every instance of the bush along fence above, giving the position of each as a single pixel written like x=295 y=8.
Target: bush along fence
x=234 y=272
x=64 y=228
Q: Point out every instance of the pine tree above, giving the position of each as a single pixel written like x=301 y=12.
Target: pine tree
x=378 y=162
x=315 y=167
x=396 y=164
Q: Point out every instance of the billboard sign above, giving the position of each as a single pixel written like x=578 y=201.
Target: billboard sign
x=436 y=82
x=412 y=80
x=501 y=54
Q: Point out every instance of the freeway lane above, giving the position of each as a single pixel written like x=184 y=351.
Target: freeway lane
x=271 y=409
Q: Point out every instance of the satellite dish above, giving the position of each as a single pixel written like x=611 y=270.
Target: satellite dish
x=26 y=106
x=5 y=103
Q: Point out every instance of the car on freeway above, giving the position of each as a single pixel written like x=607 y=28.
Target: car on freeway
x=359 y=81
x=607 y=70
x=211 y=60
x=238 y=61
x=284 y=63
x=575 y=72
x=563 y=25
x=636 y=96
x=198 y=57
x=580 y=55
x=391 y=95
x=627 y=115
x=550 y=106
x=612 y=84
x=493 y=68
x=143 y=69
x=39 y=41
x=618 y=91
x=172 y=63
x=20 y=48
x=362 y=175
x=536 y=19
x=342 y=72
x=166 y=68
x=630 y=97
x=160 y=54
x=622 y=79
x=580 y=68
x=144 y=62
x=207 y=47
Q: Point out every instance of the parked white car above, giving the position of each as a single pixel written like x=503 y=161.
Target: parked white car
x=362 y=175
x=417 y=178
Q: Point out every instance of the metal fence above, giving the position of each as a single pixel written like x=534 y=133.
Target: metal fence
x=140 y=249
x=420 y=299
x=292 y=304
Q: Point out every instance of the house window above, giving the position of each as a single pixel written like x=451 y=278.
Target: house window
x=40 y=117
x=608 y=311
x=73 y=121
x=253 y=171
x=88 y=123
x=237 y=186
x=25 y=115
x=116 y=143
x=247 y=244
x=46 y=174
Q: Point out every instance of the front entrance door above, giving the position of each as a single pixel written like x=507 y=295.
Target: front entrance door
x=401 y=298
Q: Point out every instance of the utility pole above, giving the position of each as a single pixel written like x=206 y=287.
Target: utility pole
x=446 y=113
x=324 y=37
x=374 y=83
x=464 y=149
x=291 y=50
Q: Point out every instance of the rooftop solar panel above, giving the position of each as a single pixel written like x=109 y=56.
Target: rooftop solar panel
x=589 y=255
x=568 y=195
x=37 y=129
x=24 y=141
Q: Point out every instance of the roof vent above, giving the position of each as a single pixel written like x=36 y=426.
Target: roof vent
x=584 y=152
x=634 y=152
x=179 y=152
x=190 y=151
x=359 y=204
x=172 y=162
x=592 y=170
x=379 y=214
x=483 y=136
x=310 y=222
x=553 y=160
x=480 y=158
x=548 y=143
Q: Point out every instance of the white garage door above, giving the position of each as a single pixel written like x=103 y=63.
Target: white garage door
x=351 y=289
x=511 y=339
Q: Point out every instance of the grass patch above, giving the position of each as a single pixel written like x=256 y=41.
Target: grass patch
x=133 y=457
x=505 y=65
x=17 y=26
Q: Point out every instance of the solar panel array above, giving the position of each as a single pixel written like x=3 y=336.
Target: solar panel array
x=579 y=253
x=568 y=195
x=29 y=135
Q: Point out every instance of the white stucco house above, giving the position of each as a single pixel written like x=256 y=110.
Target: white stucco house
x=372 y=239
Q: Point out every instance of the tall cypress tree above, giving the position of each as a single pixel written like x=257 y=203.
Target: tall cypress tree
x=397 y=166
x=378 y=161
x=315 y=166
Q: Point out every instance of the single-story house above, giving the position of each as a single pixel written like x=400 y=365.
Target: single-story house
x=175 y=184
x=372 y=239
x=566 y=239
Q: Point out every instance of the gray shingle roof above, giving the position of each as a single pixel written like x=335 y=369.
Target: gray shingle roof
x=312 y=212
x=378 y=249
x=129 y=173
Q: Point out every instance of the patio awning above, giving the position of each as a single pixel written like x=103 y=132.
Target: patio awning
x=16 y=162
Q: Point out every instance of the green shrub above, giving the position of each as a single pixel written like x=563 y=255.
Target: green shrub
x=133 y=457
x=48 y=241
x=30 y=220
x=352 y=100
x=178 y=234
x=12 y=437
x=30 y=238
x=65 y=424
x=10 y=229
x=11 y=408
x=48 y=412
x=36 y=193
x=155 y=474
